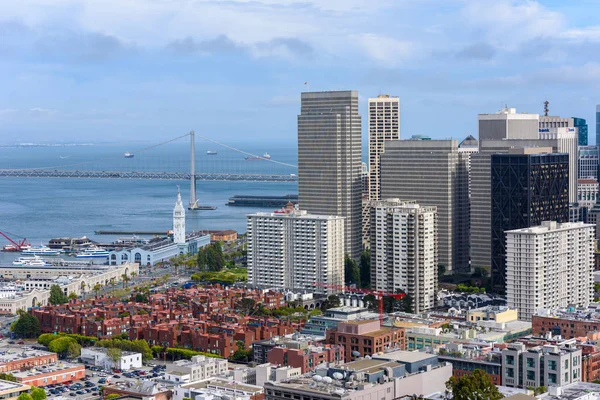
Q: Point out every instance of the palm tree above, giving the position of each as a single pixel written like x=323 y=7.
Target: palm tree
x=97 y=288
x=113 y=282
x=83 y=285
x=125 y=279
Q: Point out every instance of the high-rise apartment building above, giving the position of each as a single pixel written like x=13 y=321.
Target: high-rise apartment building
x=404 y=250
x=549 y=266
x=529 y=186
x=384 y=125
x=433 y=173
x=292 y=249
x=329 y=160
x=587 y=167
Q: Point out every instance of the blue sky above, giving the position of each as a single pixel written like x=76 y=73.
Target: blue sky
x=121 y=70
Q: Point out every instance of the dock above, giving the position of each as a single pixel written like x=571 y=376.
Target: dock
x=262 y=201
x=138 y=233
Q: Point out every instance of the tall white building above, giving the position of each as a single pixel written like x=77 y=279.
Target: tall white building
x=549 y=266
x=179 y=221
x=404 y=250
x=292 y=249
x=384 y=125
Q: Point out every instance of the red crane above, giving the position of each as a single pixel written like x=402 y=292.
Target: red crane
x=14 y=246
x=379 y=294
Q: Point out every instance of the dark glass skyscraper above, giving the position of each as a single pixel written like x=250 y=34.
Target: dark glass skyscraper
x=526 y=190
x=598 y=126
x=582 y=126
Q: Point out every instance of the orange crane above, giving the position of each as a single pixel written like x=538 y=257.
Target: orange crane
x=379 y=294
x=14 y=246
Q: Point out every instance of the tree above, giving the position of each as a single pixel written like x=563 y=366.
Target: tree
x=27 y=326
x=365 y=268
x=371 y=302
x=351 y=271
x=113 y=396
x=114 y=354
x=241 y=354
x=62 y=346
x=210 y=258
x=72 y=296
x=331 y=302
x=8 y=377
x=245 y=305
x=97 y=287
x=476 y=386
x=441 y=270
x=141 y=298
x=406 y=304
x=57 y=296
x=37 y=393
x=73 y=350
x=24 y=396
x=125 y=279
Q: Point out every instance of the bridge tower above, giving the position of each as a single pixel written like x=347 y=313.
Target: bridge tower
x=193 y=201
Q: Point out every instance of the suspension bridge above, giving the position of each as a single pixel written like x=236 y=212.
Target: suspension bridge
x=228 y=169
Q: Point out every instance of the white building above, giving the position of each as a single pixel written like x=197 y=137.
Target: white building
x=587 y=190
x=163 y=249
x=292 y=249
x=196 y=369
x=404 y=250
x=272 y=373
x=99 y=357
x=549 y=266
x=384 y=125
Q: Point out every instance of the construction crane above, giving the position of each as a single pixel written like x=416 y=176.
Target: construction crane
x=379 y=294
x=14 y=246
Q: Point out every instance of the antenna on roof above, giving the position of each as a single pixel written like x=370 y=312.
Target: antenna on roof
x=546 y=109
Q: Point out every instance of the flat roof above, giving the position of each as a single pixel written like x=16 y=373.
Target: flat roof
x=45 y=369
x=369 y=365
x=221 y=383
x=15 y=354
x=405 y=356
x=7 y=387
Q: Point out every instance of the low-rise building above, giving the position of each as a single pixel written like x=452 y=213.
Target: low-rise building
x=366 y=337
x=465 y=359
x=146 y=390
x=574 y=391
x=197 y=369
x=101 y=357
x=9 y=390
x=217 y=388
x=26 y=359
x=272 y=373
x=307 y=358
x=569 y=323
x=50 y=374
x=318 y=325
x=548 y=365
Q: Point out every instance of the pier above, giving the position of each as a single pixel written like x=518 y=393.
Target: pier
x=138 y=233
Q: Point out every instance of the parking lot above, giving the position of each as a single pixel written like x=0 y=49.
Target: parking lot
x=88 y=388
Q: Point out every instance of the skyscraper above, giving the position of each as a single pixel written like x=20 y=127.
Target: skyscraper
x=549 y=266
x=404 y=250
x=433 y=173
x=582 y=128
x=598 y=127
x=529 y=185
x=587 y=166
x=329 y=160
x=384 y=125
x=296 y=250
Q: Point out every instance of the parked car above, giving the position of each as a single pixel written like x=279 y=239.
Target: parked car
x=20 y=342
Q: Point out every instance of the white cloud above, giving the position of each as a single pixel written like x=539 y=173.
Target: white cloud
x=591 y=33
x=386 y=50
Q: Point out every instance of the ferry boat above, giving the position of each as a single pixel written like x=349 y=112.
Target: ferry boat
x=265 y=156
x=40 y=251
x=34 y=261
x=69 y=243
x=93 y=252
x=128 y=155
x=211 y=153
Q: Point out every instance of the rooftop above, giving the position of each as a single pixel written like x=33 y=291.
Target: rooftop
x=404 y=356
x=44 y=369
x=579 y=390
x=10 y=387
x=223 y=384
x=16 y=354
x=368 y=365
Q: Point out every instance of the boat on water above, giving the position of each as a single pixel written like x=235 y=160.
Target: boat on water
x=69 y=243
x=41 y=251
x=93 y=252
x=211 y=153
x=128 y=155
x=265 y=156
x=34 y=261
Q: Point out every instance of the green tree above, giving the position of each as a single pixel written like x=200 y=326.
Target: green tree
x=37 y=393
x=241 y=354
x=476 y=386
x=245 y=305
x=97 y=287
x=125 y=279
x=114 y=354
x=73 y=350
x=351 y=271
x=365 y=268
x=27 y=326
x=24 y=396
x=72 y=296
x=371 y=302
x=441 y=270
x=8 y=377
x=62 y=345
x=112 y=396
x=331 y=302
x=57 y=296
x=406 y=304
x=141 y=298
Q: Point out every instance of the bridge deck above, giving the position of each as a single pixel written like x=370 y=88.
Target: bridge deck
x=179 y=176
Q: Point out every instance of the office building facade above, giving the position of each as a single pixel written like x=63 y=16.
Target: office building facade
x=528 y=186
x=295 y=250
x=384 y=125
x=508 y=124
x=582 y=128
x=587 y=164
x=598 y=126
x=329 y=160
x=587 y=192
x=433 y=173
x=549 y=266
x=404 y=250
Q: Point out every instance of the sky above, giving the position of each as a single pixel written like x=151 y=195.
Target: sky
x=233 y=70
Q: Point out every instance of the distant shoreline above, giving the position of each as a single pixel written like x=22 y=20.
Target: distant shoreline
x=45 y=145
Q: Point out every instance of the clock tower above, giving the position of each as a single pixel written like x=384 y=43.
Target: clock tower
x=179 y=221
